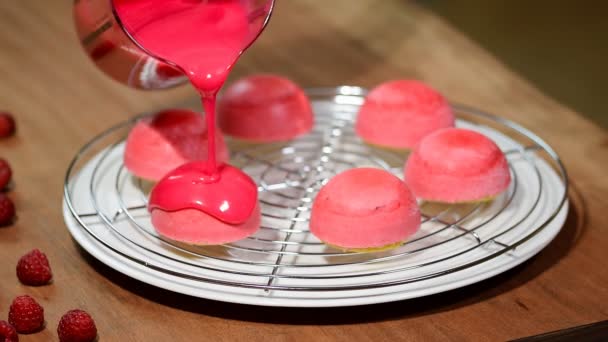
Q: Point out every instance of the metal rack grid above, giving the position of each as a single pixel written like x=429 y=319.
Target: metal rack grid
x=283 y=255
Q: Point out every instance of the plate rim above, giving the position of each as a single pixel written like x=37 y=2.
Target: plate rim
x=138 y=272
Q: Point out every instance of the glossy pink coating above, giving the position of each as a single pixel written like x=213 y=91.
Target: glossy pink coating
x=265 y=108
x=398 y=114
x=203 y=38
x=364 y=208
x=225 y=193
x=166 y=140
x=457 y=165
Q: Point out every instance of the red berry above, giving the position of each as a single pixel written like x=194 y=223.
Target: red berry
x=34 y=269
x=76 y=326
x=7 y=125
x=8 y=332
x=26 y=315
x=5 y=173
x=7 y=210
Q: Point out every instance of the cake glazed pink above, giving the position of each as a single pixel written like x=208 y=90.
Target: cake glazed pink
x=277 y=102
x=159 y=143
x=398 y=114
x=365 y=209
x=456 y=165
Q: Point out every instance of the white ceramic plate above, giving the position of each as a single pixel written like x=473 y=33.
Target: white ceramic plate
x=457 y=245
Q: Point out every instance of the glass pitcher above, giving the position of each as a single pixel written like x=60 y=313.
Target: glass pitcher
x=114 y=52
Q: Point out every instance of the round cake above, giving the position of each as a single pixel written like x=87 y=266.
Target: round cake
x=194 y=227
x=398 y=114
x=200 y=203
x=364 y=209
x=265 y=108
x=166 y=140
x=457 y=165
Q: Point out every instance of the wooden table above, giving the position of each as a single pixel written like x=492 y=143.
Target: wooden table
x=60 y=100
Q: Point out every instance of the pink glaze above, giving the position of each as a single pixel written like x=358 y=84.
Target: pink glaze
x=398 y=114
x=457 y=165
x=186 y=226
x=166 y=140
x=219 y=193
x=265 y=108
x=364 y=208
x=204 y=39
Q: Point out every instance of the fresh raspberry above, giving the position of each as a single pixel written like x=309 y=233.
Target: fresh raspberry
x=8 y=332
x=7 y=125
x=26 y=315
x=7 y=210
x=76 y=326
x=5 y=173
x=33 y=269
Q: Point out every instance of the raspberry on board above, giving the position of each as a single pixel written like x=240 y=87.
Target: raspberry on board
x=7 y=210
x=76 y=326
x=8 y=332
x=34 y=269
x=26 y=315
x=6 y=173
x=7 y=125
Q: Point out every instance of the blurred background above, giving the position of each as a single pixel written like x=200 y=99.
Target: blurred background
x=560 y=46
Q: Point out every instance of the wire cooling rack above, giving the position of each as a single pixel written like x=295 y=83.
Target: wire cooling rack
x=106 y=205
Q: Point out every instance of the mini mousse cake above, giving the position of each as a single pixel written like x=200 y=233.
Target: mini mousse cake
x=456 y=165
x=398 y=114
x=200 y=203
x=166 y=140
x=194 y=227
x=265 y=108
x=364 y=209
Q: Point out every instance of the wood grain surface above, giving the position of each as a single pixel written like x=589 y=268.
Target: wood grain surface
x=60 y=100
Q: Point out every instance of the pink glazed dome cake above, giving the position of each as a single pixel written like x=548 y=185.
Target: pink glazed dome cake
x=456 y=165
x=186 y=206
x=398 y=114
x=265 y=108
x=166 y=140
x=364 y=209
